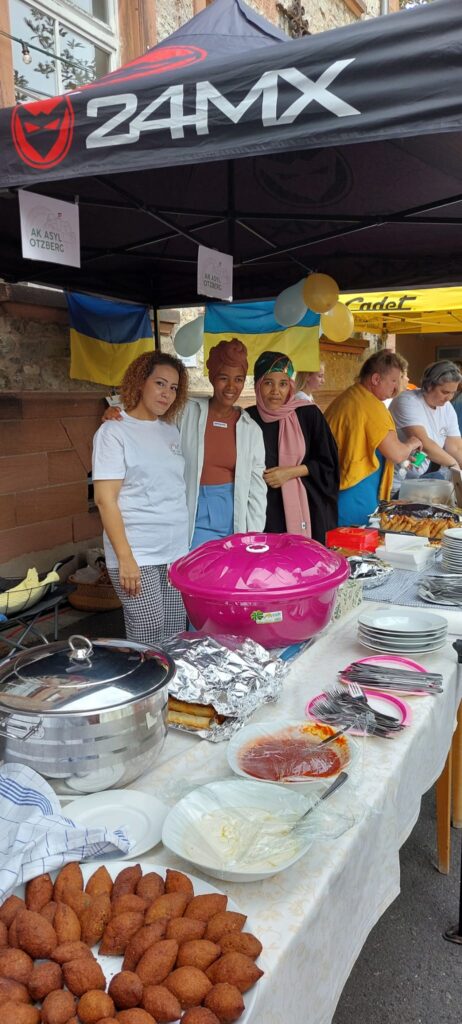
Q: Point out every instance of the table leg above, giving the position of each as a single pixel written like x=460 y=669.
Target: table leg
x=457 y=772
x=443 y=816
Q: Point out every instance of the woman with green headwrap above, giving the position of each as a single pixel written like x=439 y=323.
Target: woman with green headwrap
x=302 y=472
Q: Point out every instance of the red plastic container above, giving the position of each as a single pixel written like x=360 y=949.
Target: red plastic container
x=353 y=538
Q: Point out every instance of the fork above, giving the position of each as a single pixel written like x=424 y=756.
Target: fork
x=356 y=692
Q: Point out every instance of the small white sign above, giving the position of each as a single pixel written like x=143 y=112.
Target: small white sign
x=214 y=274
x=49 y=229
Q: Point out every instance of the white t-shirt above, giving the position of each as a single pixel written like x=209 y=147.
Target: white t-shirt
x=306 y=398
x=409 y=409
x=146 y=455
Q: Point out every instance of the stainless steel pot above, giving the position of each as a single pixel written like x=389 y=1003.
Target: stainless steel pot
x=90 y=714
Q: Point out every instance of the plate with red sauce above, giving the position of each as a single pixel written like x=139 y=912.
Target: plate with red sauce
x=288 y=753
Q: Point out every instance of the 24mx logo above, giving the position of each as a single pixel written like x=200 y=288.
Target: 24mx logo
x=266 y=90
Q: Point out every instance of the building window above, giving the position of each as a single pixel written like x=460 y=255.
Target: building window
x=81 y=33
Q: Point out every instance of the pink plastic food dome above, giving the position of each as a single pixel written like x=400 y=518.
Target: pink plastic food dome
x=276 y=588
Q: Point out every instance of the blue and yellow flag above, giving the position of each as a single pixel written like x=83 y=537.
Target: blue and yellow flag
x=106 y=337
x=254 y=324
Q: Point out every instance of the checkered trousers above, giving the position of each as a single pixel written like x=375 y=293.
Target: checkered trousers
x=158 y=610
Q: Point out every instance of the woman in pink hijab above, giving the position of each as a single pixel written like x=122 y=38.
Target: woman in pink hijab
x=302 y=471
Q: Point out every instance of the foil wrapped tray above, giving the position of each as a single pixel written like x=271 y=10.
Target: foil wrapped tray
x=371 y=572
x=233 y=675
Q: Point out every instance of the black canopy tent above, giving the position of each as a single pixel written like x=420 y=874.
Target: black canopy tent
x=340 y=152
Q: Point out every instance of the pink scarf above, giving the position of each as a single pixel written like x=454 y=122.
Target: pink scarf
x=291 y=452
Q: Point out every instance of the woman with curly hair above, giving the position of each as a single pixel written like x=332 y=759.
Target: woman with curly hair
x=138 y=475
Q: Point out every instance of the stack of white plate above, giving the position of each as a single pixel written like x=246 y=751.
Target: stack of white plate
x=402 y=632
x=451 y=547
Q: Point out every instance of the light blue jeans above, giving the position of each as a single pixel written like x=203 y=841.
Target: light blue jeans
x=215 y=513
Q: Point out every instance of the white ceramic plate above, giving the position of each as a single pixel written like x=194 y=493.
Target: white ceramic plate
x=143 y=815
x=402 y=622
x=398 y=635
x=402 y=641
x=113 y=964
x=453 y=533
x=399 y=650
x=184 y=834
x=259 y=731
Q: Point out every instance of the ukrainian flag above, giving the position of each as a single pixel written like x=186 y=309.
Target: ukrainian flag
x=254 y=324
x=106 y=337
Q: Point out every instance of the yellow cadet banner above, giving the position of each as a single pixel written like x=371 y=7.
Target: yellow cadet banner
x=410 y=311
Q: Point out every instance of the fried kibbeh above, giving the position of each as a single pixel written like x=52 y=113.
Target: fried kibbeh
x=13 y=992
x=126 y=881
x=205 y=907
x=9 y=909
x=39 y=892
x=135 y=1016
x=3 y=934
x=58 y=1007
x=172 y=904
x=49 y=911
x=16 y=964
x=225 y=1001
x=157 y=962
x=150 y=886
x=184 y=929
x=130 y=902
x=46 y=977
x=198 y=953
x=69 y=878
x=36 y=936
x=66 y=924
x=19 y=1013
x=94 y=1005
x=141 y=941
x=189 y=985
x=94 y=919
x=71 y=951
x=199 y=1015
x=77 y=899
x=227 y=921
x=99 y=882
x=237 y=969
x=241 y=942
x=163 y=1005
x=126 y=989
x=177 y=881
x=13 y=934
x=119 y=931
x=82 y=975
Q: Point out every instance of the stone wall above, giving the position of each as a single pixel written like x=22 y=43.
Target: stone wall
x=171 y=14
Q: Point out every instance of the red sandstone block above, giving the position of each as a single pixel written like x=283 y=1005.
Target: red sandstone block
x=64 y=468
x=23 y=472
x=7 y=511
x=10 y=407
x=38 y=537
x=86 y=526
x=39 y=405
x=20 y=437
x=81 y=431
x=51 y=503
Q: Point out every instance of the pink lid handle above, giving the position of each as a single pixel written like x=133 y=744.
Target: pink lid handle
x=389 y=657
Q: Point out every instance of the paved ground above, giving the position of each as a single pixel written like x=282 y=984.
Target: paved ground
x=407 y=973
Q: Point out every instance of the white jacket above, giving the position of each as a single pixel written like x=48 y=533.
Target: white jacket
x=249 y=485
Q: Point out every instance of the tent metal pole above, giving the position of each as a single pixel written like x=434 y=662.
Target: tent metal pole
x=157 y=344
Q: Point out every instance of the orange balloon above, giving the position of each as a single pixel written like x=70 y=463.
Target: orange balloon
x=338 y=323
x=320 y=292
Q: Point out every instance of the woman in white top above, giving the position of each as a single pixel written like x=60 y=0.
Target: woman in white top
x=427 y=413
x=138 y=475
x=307 y=382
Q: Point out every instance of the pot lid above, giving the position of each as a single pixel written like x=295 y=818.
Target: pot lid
x=80 y=676
x=245 y=565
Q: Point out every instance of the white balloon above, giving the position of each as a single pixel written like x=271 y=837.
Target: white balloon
x=188 y=338
x=290 y=307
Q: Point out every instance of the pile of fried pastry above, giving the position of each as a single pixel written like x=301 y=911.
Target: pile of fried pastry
x=185 y=957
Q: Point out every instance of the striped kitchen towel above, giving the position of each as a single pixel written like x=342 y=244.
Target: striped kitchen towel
x=35 y=837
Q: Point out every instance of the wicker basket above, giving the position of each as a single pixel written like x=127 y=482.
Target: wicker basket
x=93 y=597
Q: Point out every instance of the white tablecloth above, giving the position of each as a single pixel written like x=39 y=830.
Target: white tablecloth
x=314 y=918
